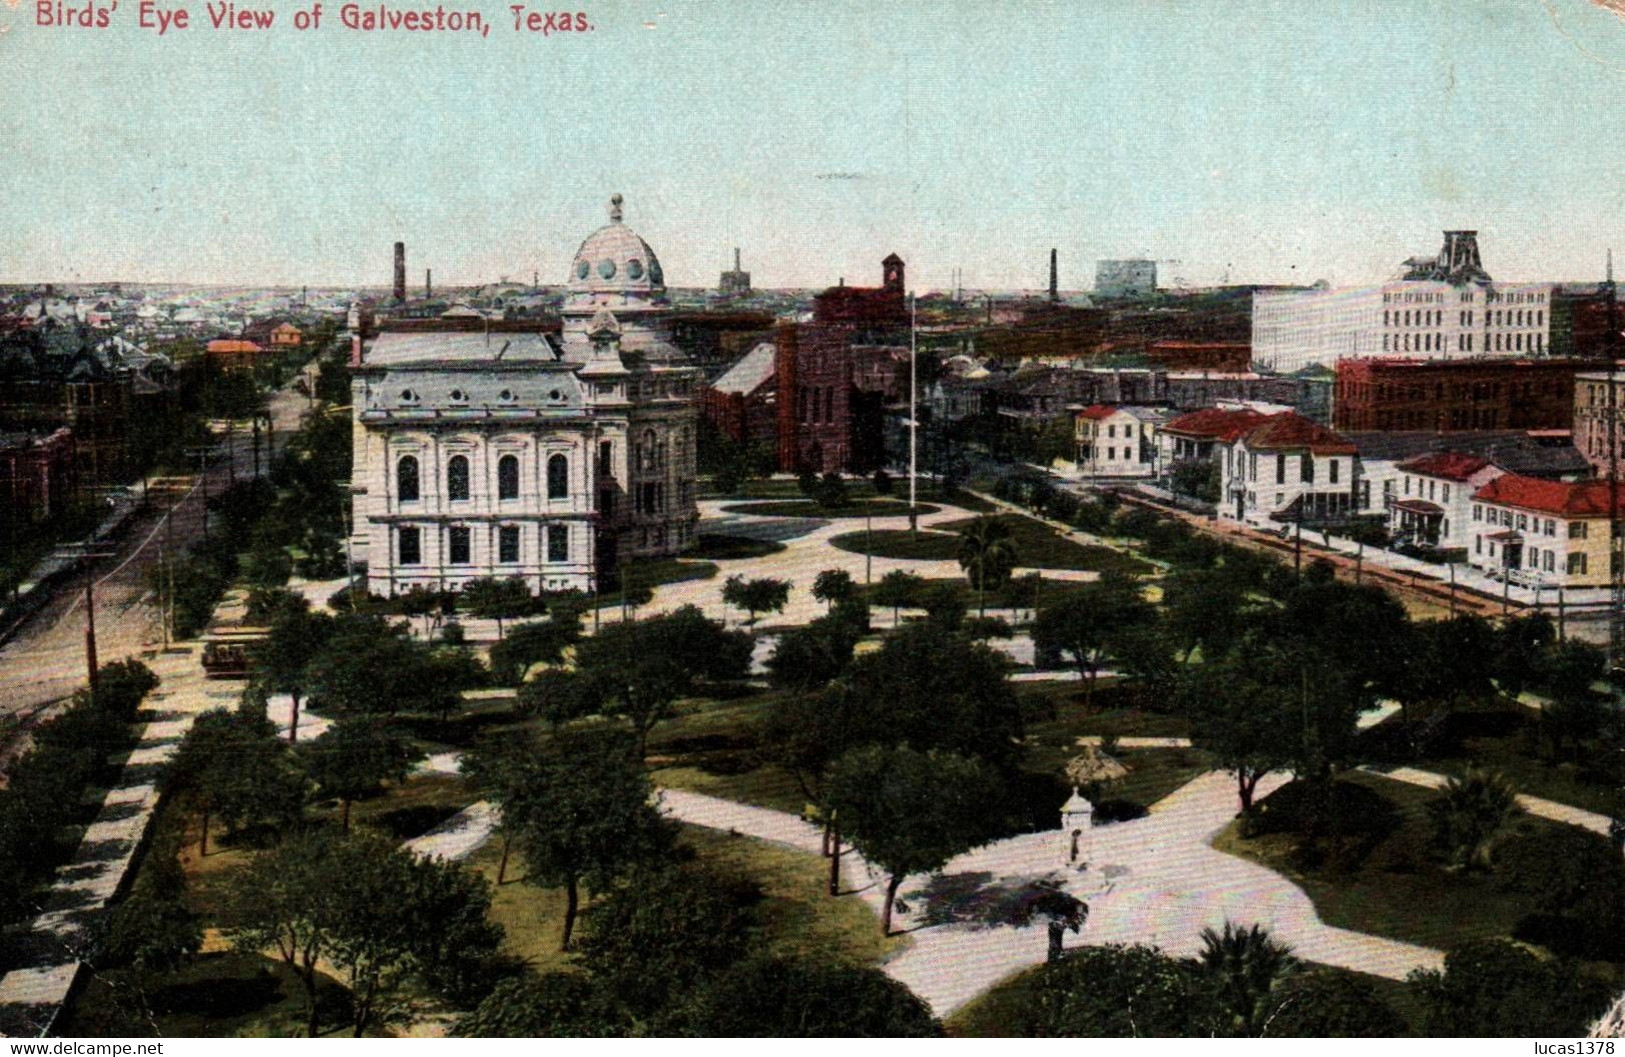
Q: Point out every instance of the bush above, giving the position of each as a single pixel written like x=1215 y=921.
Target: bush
x=121 y=686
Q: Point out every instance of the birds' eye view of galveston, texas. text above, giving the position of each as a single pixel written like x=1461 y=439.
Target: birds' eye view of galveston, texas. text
x=712 y=518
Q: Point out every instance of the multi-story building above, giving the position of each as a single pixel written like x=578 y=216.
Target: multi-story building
x=1553 y=533
x=1286 y=468
x=37 y=475
x=1118 y=441
x=1593 y=409
x=513 y=453
x=1442 y=396
x=1200 y=435
x=1446 y=308
x=1433 y=499
x=1125 y=278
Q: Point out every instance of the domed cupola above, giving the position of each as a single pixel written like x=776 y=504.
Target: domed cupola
x=614 y=260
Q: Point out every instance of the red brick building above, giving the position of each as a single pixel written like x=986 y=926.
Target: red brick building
x=1446 y=396
x=37 y=475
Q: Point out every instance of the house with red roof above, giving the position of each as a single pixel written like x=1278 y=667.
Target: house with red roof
x=1117 y=440
x=1434 y=497
x=1196 y=435
x=1286 y=468
x=1551 y=533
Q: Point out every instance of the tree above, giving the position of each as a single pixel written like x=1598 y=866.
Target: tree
x=1247 y=725
x=638 y=669
x=535 y=642
x=581 y=814
x=419 y=601
x=987 y=554
x=283 y=659
x=1576 y=712
x=831 y=491
x=768 y=997
x=1244 y=967
x=1201 y=608
x=1324 y=1003
x=1118 y=991
x=355 y=758
x=910 y=812
x=832 y=586
x=153 y=930
x=667 y=932
x=1470 y=815
x=1086 y=623
x=1522 y=644
x=809 y=657
x=897 y=589
x=121 y=686
x=238 y=771
x=765 y=595
x=883 y=482
x=369 y=665
x=499 y=600
x=551 y=1006
x=1497 y=988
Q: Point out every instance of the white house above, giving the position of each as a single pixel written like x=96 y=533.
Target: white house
x=1286 y=468
x=1118 y=441
x=1434 y=498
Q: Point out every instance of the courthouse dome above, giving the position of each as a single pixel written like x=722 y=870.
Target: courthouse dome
x=615 y=259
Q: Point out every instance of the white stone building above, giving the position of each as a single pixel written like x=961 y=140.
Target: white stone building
x=487 y=449
x=1446 y=308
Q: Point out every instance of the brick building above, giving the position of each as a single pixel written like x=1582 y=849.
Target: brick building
x=1402 y=394
x=37 y=475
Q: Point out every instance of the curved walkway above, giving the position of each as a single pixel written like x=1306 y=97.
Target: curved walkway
x=1152 y=880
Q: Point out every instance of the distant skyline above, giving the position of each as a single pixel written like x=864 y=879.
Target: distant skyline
x=1262 y=142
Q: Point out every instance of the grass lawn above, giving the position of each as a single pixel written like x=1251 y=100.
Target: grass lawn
x=655 y=572
x=711 y=748
x=796 y=916
x=856 y=489
x=1057 y=711
x=1400 y=889
x=721 y=547
x=220 y=995
x=1503 y=736
x=1037 y=547
x=808 y=508
x=1003 y=1011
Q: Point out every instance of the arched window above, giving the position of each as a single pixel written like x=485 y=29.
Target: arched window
x=558 y=477
x=457 y=477
x=406 y=478
x=647 y=456
x=508 y=477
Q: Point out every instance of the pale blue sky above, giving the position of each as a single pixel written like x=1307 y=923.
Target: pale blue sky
x=1273 y=142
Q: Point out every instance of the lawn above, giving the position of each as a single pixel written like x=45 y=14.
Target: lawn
x=1037 y=546
x=1401 y=889
x=711 y=748
x=796 y=916
x=808 y=508
x=1004 y=1011
x=721 y=547
x=856 y=489
x=653 y=573
x=1502 y=736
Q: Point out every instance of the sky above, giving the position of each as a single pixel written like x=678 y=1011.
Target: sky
x=1243 y=141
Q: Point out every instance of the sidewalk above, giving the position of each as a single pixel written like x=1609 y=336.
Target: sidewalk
x=1540 y=808
x=31 y=996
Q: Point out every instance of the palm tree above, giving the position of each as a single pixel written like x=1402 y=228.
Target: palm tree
x=1470 y=814
x=986 y=553
x=1244 y=966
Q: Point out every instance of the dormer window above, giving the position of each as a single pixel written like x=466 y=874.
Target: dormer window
x=506 y=396
x=459 y=397
x=555 y=396
x=409 y=396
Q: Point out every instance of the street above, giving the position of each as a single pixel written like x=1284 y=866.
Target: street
x=45 y=663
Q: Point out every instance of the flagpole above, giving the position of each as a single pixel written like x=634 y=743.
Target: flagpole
x=913 y=418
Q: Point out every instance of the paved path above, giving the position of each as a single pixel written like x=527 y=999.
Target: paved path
x=1548 y=809
x=31 y=996
x=1152 y=880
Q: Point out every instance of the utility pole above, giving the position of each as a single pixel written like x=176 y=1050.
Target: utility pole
x=868 y=550
x=90 y=631
x=913 y=418
x=1616 y=574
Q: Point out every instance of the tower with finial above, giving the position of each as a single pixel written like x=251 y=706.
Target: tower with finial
x=736 y=282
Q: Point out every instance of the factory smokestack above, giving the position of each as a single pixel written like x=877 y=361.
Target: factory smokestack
x=428 y=284
x=400 y=271
x=1054 y=278
x=736 y=258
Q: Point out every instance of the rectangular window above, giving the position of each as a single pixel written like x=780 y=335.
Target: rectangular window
x=1334 y=466
x=460 y=549
x=1577 y=530
x=558 y=543
x=1306 y=468
x=1478 y=512
x=1577 y=564
x=1280 y=469
x=411 y=546
x=508 y=544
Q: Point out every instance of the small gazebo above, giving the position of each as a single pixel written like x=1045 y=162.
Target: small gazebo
x=1091 y=769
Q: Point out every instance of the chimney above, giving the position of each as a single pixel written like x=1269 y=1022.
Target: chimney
x=1054 y=278
x=428 y=283
x=736 y=258
x=400 y=271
